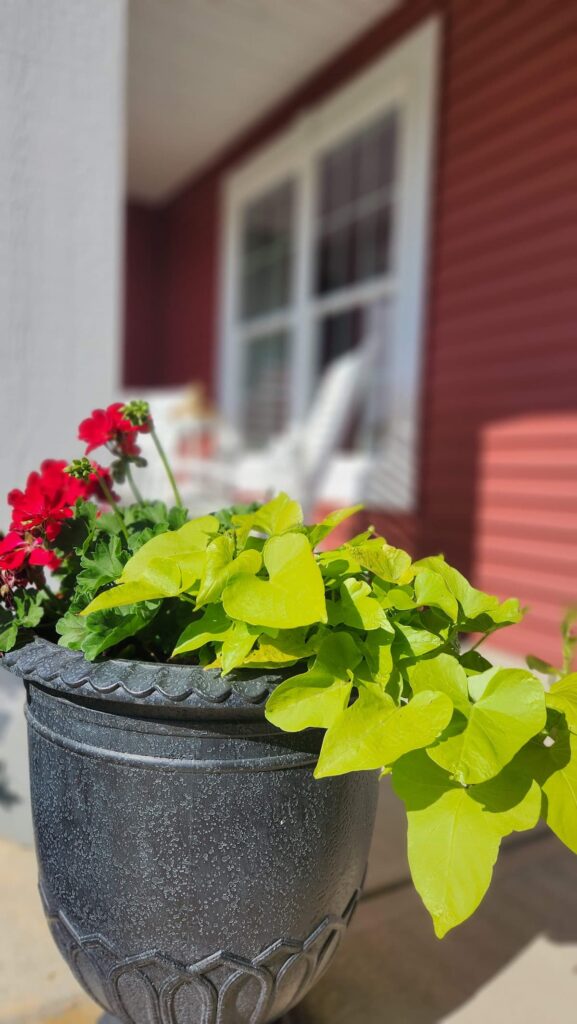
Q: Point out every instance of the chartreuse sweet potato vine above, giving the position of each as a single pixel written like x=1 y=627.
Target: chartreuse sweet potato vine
x=369 y=642
x=371 y=639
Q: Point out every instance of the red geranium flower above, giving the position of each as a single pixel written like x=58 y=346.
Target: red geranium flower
x=19 y=550
x=92 y=486
x=46 y=501
x=109 y=426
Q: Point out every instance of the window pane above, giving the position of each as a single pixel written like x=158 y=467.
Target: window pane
x=267 y=252
x=355 y=207
x=338 y=333
x=266 y=388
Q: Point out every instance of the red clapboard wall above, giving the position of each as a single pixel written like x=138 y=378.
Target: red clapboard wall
x=499 y=437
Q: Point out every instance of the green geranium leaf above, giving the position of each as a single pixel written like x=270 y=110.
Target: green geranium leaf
x=321 y=530
x=509 y=713
x=105 y=629
x=563 y=697
x=358 y=608
x=185 y=547
x=442 y=674
x=163 y=567
x=373 y=732
x=293 y=595
x=315 y=698
x=8 y=630
x=452 y=842
x=276 y=517
x=221 y=566
x=72 y=630
x=431 y=589
x=101 y=566
x=213 y=625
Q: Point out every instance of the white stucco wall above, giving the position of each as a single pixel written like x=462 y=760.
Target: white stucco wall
x=61 y=193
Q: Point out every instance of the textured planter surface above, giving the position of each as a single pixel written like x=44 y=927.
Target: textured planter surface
x=192 y=869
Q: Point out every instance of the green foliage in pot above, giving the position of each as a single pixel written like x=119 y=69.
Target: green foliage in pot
x=372 y=644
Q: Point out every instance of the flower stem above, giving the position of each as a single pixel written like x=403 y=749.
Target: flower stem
x=132 y=483
x=166 y=465
x=108 y=495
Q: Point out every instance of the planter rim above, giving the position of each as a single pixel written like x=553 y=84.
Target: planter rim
x=138 y=684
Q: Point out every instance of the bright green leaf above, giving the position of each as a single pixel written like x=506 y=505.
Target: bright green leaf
x=388 y=563
x=276 y=517
x=238 y=644
x=512 y=798
x=431 y=589
x=294 y=594
x=221 y=566
x=315 y=698
x=357 y=608
x=288 y=649
x=373 y=732
x=415 y=642
x=555 y=769
x=480 y=611
x=214 y=625
x=508 y=714
x=442 y=674
x=452 y=842
x=319 y=531
x=563 y=697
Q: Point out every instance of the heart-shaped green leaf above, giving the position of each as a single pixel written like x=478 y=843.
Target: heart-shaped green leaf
x=374 y=733
x=509 y=713
x=555 y=769
x=478 y=610
x=238 y=644
x=289 y=648
x=452 y=842
x=221 y=566
x=321 y=530
x=293 y=595
x=276 y=517
x=315 y=698
x=431 y=589
x=442 y=674
x=358 y=608
x=388 y=563
x=563 y=697
x=214 y=625
x=163 y=567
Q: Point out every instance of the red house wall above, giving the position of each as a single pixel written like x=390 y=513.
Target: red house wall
x=498 y=452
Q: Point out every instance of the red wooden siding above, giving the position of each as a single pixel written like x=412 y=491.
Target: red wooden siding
x=498 y=463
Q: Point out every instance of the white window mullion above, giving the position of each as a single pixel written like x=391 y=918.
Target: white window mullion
x=302 y=369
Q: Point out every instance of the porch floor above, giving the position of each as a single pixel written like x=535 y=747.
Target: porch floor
x=514 y=963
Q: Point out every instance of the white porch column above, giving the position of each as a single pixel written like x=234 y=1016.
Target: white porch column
x=61 y=192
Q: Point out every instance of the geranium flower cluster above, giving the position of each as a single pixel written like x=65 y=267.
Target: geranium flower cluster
x=116 y=428
x=48 y=500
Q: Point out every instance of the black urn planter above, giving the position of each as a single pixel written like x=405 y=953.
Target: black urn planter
x=192 y=869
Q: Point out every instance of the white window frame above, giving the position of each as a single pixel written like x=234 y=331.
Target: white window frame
x=404 y=79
